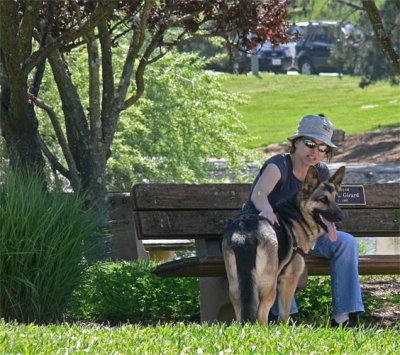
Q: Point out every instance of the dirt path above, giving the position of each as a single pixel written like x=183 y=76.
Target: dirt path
x=382 y=294
x=380 y=146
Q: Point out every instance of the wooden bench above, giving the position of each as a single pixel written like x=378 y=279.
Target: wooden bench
x=200 y=212
x=125 y=244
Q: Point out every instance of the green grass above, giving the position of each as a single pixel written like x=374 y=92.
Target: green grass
x=195 y=339
x=273 y=104
x=323 y=10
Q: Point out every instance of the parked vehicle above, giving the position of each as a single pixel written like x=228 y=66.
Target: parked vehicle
x=313 y=50
x=308 y=53
x=276 y=58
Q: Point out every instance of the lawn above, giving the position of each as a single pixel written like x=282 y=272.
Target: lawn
x=194 y=339
x=273 y=104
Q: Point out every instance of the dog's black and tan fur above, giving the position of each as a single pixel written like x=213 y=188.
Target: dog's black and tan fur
x=260 y=260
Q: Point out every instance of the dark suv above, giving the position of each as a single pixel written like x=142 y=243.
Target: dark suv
x=275 y=58
x=313 y=50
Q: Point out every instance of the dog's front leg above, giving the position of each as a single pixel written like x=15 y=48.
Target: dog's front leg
x=286 y=290
x=287 y=285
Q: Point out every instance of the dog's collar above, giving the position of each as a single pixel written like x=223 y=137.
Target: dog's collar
x=296 y=247
x=300 y=251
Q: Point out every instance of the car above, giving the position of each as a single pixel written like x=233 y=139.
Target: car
x=275 y=58
x=278 y=58
x=313 y=49
x=309 y=51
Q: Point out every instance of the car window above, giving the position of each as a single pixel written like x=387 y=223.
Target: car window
x=322 y=34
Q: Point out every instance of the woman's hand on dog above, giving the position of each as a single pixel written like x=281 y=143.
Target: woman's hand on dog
x=268 y=213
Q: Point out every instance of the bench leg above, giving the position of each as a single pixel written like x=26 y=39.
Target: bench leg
x=215 y=305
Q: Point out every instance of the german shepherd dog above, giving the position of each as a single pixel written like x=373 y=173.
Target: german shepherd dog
x=260 y=260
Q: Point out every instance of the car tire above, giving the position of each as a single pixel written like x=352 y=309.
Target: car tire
x=307 y=68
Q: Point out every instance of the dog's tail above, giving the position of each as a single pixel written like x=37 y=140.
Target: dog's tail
x=245 y=263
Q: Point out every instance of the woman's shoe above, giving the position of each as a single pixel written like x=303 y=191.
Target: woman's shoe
x=352 y=322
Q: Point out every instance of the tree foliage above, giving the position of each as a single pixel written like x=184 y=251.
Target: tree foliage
x=85 y=132
x=183 y=121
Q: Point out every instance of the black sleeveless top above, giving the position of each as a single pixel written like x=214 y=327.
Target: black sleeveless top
x=288 y=184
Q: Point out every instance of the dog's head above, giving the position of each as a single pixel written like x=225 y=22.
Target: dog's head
x=318 y=199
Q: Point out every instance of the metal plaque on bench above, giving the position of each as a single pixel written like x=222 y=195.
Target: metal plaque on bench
x=351 y=195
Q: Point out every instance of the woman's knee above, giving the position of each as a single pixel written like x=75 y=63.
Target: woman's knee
x=347 y=241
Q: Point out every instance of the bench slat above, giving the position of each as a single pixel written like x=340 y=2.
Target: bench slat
x=211 y=266
x=188 y=196
x=211 y=223
x=231 y=196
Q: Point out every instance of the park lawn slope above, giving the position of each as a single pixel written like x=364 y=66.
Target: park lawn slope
x=273 y=104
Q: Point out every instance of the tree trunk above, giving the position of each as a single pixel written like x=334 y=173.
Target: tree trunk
x=19 y=127
x=17 y=117
x=86 y=147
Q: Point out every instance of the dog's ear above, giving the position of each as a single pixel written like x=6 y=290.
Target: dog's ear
x=337 y=178
x=311 y=181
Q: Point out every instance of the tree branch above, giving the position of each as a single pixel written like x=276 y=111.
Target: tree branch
x=107 y=76
x=139 y=76
x=94 y=92
x=74 y=115
x=137 y=41
x=37 y=78
x=382 y=36
x=73 y=174
x=103 y=9
x=351 y=4
x=55 y=164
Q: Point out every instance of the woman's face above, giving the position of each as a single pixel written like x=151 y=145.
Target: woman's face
x=310 y=150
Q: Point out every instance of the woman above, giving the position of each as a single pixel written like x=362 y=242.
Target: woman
x=281 y=176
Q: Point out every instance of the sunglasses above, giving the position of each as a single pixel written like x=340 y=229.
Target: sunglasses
x=309 y=143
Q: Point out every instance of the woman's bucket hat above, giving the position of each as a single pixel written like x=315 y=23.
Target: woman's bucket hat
x=315 y=126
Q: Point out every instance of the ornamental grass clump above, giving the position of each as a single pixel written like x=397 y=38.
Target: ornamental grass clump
x=43 y=239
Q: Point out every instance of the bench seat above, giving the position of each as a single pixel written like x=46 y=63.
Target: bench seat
x=208 y=266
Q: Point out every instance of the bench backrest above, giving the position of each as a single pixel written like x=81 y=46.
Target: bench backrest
x=163 y=211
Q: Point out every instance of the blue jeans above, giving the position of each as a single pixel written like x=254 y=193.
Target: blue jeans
x=346 y=288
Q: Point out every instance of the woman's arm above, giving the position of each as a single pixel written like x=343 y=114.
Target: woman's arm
x=265 y=184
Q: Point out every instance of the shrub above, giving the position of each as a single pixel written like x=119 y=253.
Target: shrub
x=315 y=301
x=120 y=292
x=42 y=240
x=130 y=292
